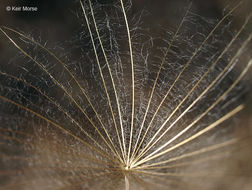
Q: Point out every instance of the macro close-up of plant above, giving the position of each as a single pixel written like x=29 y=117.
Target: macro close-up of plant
x=126 y=94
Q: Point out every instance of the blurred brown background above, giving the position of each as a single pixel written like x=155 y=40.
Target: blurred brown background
x=56 y=21
x=58 y=15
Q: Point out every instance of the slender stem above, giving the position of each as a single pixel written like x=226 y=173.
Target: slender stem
x=100 y=70
x=76 y=81
x=132 y=78
x=126 y=179
x=58 y=84
x=178 y=76
x=190 y=154
x=58 y=126
x=155 y=83
x=213 y=125
x=205 y=91
x=112 y=79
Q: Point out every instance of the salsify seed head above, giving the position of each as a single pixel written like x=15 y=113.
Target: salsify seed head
x=126 y=105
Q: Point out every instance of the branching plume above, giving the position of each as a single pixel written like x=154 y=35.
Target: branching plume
x=123 y=107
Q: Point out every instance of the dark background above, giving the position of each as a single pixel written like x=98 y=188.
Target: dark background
x=56 y=21
x=58 y=15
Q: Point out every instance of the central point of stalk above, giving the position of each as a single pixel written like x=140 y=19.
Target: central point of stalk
x=127 y=167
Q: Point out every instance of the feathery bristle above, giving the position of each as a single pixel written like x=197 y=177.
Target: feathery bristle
x=133 y=111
